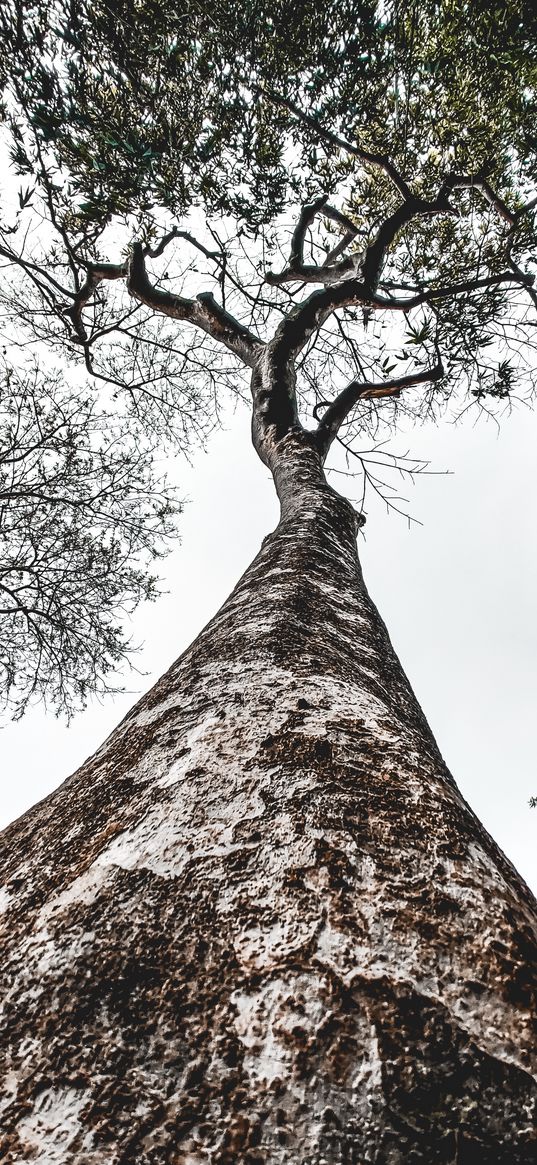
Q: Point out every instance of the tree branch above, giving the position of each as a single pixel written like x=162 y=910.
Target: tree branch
x=476 y=182
x=371 y=159
x=295 y=330
x=306 y=217
x=298 y=271
x=95 y=273
x=412 y=208
x=351 y=231
x=371 y=262
x=175 y=233
x=510 y=243
x=29 y=267
x=342 y=220
x=451 y=182
x=340 y=408
x=435 y=293
x=204 y=312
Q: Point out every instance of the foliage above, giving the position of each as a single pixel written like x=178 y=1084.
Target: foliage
x=186 y=172
x=157 y=104
x=81 y=513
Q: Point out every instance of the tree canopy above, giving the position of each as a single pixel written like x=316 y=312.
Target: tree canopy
x=349 y=188
x=160 y=105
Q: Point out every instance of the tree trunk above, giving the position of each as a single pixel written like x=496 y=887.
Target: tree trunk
x=260 y=926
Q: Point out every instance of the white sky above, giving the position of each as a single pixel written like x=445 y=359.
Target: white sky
x=458 y=595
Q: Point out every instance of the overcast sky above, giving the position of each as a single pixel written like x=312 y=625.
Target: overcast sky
x=458 y=595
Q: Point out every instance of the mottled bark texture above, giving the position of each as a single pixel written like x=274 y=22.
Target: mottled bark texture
x=260 y=926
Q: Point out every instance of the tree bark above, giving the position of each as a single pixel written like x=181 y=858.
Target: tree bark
x=261 y=926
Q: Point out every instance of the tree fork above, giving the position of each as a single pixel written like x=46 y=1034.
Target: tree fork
x=260 y=925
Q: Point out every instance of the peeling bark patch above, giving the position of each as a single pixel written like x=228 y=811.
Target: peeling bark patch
x=260 y=926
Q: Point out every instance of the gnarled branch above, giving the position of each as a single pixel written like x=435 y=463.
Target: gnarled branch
x=204 y=312
x=371 y=261
x=375 y=255
x=295 y=330
x=97 y=272
x=477 y=182
x=298 y=271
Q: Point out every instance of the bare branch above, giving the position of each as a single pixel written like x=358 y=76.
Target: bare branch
x=340 y=408
x=411 y=206
x=95 y=273
x=177 y=234
x=521 y=275
x=204 y=312
x=26 y=265
x=83 y=517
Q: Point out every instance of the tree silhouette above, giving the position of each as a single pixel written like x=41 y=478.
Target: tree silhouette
x=260 y=924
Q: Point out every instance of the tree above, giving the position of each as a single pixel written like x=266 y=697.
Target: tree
x=79 y=504
x=260 y=924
